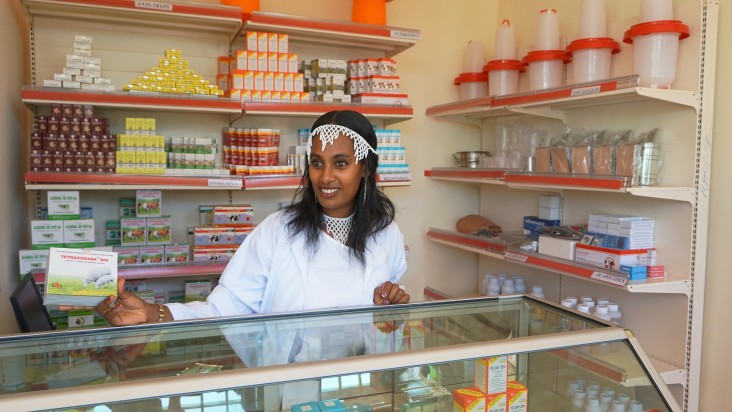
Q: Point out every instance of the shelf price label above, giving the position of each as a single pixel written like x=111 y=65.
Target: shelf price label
x=153 y=5
x=233 y=183
x=516 y=256
x=406 y=35
x=584 y=91
x=609 y=278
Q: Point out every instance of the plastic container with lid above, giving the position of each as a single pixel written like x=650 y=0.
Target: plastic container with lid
x=472 y=85
x=503 y=70
x=546 y=68
x=591 y=58
x=655 y=51
x=473 y=57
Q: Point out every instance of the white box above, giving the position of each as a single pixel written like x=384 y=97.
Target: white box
x=79 y=233
x=550 y=201
x=63 y=205
x=557 y=247
x=47 y=233
x=31 y=259
x=491 y=374
x=612 y=258
x=550 y=213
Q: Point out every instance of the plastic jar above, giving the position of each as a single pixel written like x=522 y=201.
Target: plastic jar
x=472 y=85
x=591 y=58
x=503 y=76
x=655 y=51
x=546 y=68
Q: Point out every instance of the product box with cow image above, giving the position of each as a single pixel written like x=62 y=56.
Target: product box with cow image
x=77 y=277
x=149 y=203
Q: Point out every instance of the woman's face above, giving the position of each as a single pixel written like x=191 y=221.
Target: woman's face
x=335 y=175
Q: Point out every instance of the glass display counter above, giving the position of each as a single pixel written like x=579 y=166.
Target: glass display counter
x=526 y=354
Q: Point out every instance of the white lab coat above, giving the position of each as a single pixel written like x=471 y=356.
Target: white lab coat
x=268 y=273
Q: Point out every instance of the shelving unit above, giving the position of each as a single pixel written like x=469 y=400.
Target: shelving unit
x=191 y=269
x=679 y=204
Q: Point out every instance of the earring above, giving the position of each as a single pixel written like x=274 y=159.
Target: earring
x=365 y=188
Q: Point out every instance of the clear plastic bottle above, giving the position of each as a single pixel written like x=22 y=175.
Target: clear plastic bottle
x=614 y=311
x=603 y=313
x=592 y=404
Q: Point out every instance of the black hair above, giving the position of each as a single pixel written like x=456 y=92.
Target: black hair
x=373 y=211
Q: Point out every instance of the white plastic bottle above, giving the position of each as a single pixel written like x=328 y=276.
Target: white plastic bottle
x=614 y=311
x=605 y=399
x=617 y=406
x=484 y=284
x=602 y=301
x=518 y=284
x=588 y=301
x=603 y=313
x=573 y=300
x=507 y=288
x=564 y=322
x=635 y=406
x=624 y=398
x=592 y=404
x=584 y=308
x=494 y=288
x=538 y=291
x=578 y=401
x=572 y=386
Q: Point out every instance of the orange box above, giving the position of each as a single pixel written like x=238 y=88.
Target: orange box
x=241 y=59
x=224 y=64
x=251 y=40
x=468 y=400
x=517 y=397
x=491 y=374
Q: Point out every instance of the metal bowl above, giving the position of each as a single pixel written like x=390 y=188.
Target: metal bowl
x=469 y=158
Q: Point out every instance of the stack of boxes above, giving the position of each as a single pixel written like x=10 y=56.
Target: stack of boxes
x=82 y=71
x=193 y=156
x=72 y=139
x=63 y=227
x=223 y=229
x=173 y=75
x=145 y=238
x=621 y=243
x=140 y=150
x=392 y=155
x=325 y=80
x=375 y=81
x=492 y=391
x=264 y=71
x=550 y=215
x=253 y=152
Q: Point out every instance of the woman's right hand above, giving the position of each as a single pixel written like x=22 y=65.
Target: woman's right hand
x=126 y=309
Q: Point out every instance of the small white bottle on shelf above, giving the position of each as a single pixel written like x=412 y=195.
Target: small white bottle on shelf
x=635 y=406
x=617 y=406
x=578 y=401
x=518 y=284
x=484 y=284
x=588 y=301
x=624 y=398
x=584 y=308
x=573 y=300
x=592 y=404
x=507 y=288
x=494 y=288
x=605 y=399
x=538 y=291
x=572 y=386
x=601 y=301
x=614 y=311
x=603 y=313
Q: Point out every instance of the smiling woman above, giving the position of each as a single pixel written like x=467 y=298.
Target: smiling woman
x=337 y=245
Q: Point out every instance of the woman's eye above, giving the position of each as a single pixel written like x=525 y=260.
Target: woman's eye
x=341 y=163
x=315 y=163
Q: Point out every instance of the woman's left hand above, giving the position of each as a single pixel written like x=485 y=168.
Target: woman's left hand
x=390 y=294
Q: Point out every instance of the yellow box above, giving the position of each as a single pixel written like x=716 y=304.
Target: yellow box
x=517 y=397
x=130 y=123
x=150 y=124
x=495 y=402
x=140 y=123
x=468 y=400
x=150 y=158
x=491 y=374
x=140 y=157
x=161 y=158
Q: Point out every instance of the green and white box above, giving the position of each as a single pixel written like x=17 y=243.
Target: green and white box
x=133 y=232
x=149 y=203
x=31 y=259
x=158 y=230
x=197 y=290
x=63 y=205
x=79 y=233
x=80 y=278
x=152 y=255
x=46 y=234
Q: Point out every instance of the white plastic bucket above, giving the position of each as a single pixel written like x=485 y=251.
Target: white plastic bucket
x=473 y=90
x=502 y=82
x=591 y=64
x=545 y=74
x=654 y=59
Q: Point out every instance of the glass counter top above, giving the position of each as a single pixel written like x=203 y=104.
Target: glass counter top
x=264 y=351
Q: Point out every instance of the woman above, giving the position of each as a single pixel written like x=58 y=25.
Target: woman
x=336 y=246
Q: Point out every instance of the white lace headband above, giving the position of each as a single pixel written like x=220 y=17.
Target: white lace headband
x=329 y=132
